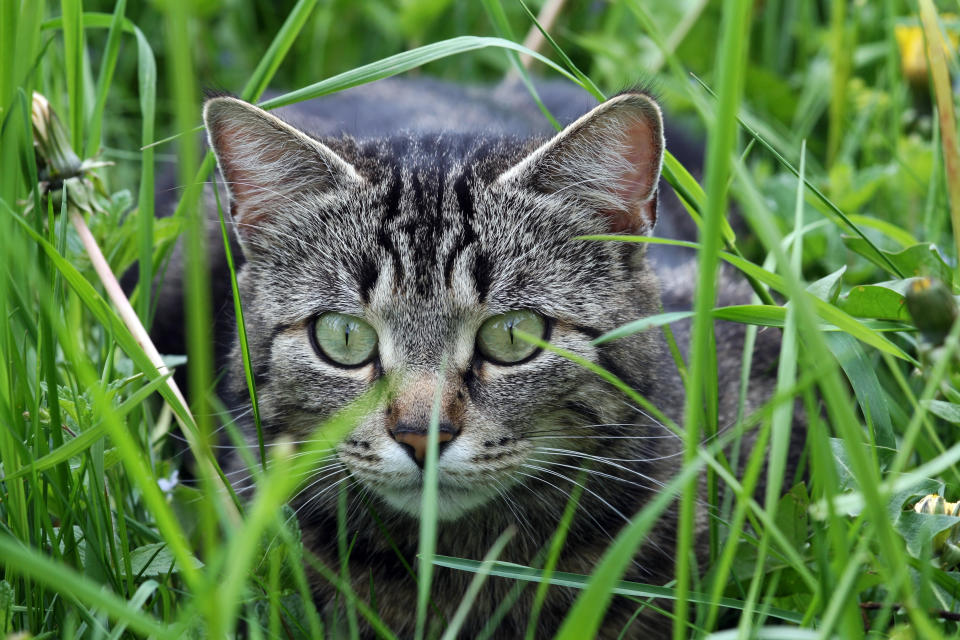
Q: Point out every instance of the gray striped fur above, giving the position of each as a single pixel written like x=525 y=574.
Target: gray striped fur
x=425 y=235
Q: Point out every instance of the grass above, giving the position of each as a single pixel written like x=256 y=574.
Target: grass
x=835 y=147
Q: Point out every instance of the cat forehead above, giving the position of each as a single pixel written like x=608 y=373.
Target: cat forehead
x=428 y=222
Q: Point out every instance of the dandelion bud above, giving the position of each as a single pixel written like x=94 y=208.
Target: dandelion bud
x=932 y=307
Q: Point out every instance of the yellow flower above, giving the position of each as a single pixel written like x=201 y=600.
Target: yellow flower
x=913 y=55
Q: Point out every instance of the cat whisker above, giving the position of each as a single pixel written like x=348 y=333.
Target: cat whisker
x=313 y=482
x=601 y=474
x=298 y=454
x=552 y=507
x=609 y=461
x=239 y=485
x=569 y=452
x=558 y=434
x=585 y=488
x=515 y=509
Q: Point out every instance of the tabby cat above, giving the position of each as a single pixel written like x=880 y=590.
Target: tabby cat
x=418 y=250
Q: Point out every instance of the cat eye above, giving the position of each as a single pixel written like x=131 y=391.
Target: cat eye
x=498 y=342
x=344 y=340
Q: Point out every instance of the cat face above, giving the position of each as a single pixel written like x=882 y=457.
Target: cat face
x=422 y=261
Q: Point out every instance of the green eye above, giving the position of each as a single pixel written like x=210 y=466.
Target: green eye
x=498 y=343
x=346 y=340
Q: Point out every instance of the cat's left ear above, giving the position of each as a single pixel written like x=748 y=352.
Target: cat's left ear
x=608 y=160
x=268 y=165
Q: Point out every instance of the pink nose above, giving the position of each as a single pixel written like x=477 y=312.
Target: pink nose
x=414 y=441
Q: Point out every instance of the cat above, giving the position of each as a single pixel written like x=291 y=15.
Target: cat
x=409 y=237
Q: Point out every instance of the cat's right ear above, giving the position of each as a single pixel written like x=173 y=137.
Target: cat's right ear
x=268 y=166
x=607 y=162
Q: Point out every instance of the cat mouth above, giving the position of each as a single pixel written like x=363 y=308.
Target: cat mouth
x=453 y=498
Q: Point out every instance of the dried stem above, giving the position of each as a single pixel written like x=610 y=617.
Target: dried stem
x=936 y=54
x=130 y=318
x=534 y=40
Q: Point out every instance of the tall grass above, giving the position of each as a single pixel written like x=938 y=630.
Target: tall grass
x=836 y=153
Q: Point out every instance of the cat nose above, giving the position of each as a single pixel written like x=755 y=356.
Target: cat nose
x=413 y=439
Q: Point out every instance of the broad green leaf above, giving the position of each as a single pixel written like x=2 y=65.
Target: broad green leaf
x=827 y=288
x=155 y=560
x=920 y=529
x=949 y=411
x=883 y=300
x=791 y=515
x=892 y=231
x=921 y=259
x=861 y=371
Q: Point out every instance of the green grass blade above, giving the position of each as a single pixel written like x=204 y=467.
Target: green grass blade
x=85 y=439
x=844 y=218
x=483 y=569
x=622 y=386
x=577 y=581
x=147 y=89
x=241 y=329
x=702 y=380
x=585 y=616
x=642 y=325
x=428 y=509
x=146 y=80
x=72 y=11
x=827 y=311
x=277 y=51
x=106 y=316
x=581 y=77
x=104 y=80
x=557 y=541
x=54 y=574
x=405 y=62
x=497 y=15
x=277 y=486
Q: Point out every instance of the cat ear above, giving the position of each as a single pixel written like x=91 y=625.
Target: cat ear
x=267 y=164
x=608 y=160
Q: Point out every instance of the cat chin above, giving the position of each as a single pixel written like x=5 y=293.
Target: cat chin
x=452 y=503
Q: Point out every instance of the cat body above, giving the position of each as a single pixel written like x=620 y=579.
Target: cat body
x=430 y=234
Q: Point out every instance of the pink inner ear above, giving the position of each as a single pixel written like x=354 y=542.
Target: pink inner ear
x=244 y=182
x=241 y=181
x=637 y=184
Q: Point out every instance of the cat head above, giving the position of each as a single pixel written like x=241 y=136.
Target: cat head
x=423 y=260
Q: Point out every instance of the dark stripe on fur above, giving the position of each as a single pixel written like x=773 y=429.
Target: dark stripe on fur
x=461 y=190
x=482 y=275
x=590 y=332
x=391 y=205
x=367 y=277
